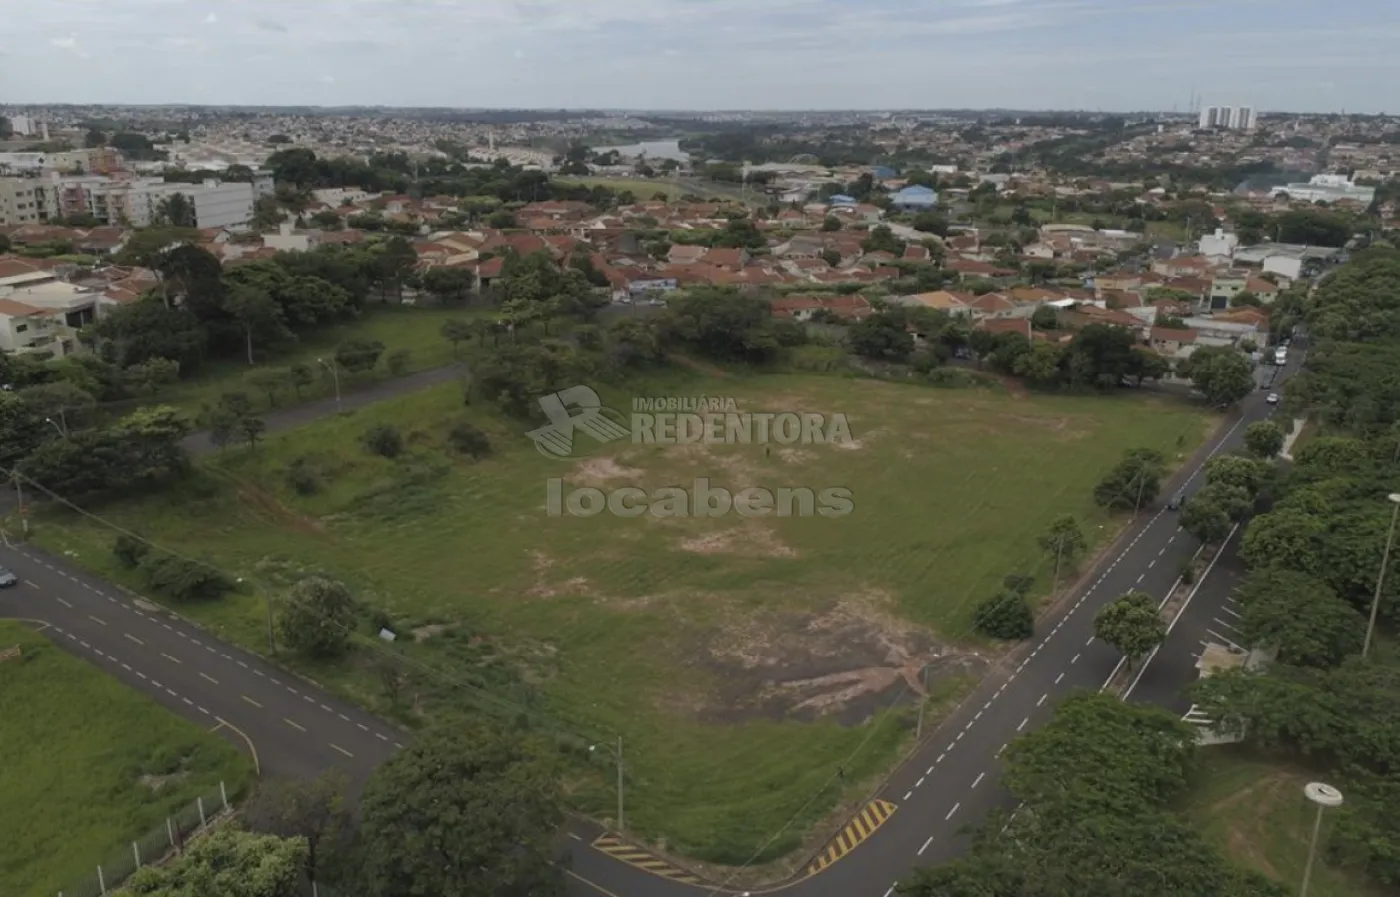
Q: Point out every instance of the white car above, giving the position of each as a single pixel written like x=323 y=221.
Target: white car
x=1272 y=398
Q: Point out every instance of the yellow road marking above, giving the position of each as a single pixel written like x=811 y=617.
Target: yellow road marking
x=861 y=827
x=643 y=859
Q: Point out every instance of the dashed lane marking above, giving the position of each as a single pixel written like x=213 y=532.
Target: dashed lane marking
x=133 y=638
x=209 y=677
x=296 y=726
x=643 y=859
x=251 y=701
x=977 y=781
x=64 y=603
x=342 y=750
x=97 y=619
x=170 y=658
x=862 y=826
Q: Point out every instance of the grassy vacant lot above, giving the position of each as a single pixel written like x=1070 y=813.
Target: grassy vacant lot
x=645 y=189
x=398 y=327
x=1256 y=812
x=742 y=661
x=87 y=765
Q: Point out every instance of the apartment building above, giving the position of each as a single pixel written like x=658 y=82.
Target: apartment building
x=24 y=201
x=137 y=202
x=92 y=160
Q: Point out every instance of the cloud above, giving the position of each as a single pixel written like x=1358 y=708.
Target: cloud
x=211 y=19
x=70 y=44
x=327 y=79
x=267 y=25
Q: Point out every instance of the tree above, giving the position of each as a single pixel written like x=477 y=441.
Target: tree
x=1132 y=624
x=1301 y=616
x=358 y=356
x=1223 y=374
x=884 y=335
x=1064 y=541
x=1045 y=317
x=318 y=618
x=456 y=330
x=1249 y=474
x=449 y=282
x=223 y=424
x=384 y=440
x=258 y=315
x=150 y=375
x=1006 y=615
x=314 y=811
x=300 y=376
x=252 y=429
x=228 y=862
x=1205 y=519
x=468 y=439
x=1133 y=482
x=1264 y=439
x=464 y=809
x=397 y=361
x=831 y=223
x=177 y=210
x=269 y=381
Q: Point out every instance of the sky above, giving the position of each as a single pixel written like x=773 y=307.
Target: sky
x=1111 y=55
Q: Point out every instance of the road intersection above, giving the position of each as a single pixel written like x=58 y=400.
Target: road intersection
x=296 y=729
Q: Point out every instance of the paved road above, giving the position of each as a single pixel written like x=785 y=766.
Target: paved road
x=953 y=781
x=300 y=415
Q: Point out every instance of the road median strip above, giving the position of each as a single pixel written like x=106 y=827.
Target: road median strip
x=626 y=852
x=861 y=827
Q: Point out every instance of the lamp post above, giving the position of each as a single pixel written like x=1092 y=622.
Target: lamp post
x=335 y=378
x=617 y=755
x=1326 y=797
x=1394 y=498
x=62 y=429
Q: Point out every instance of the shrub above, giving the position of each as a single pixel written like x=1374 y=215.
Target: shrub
x=302 y=478
x=182 y=579
x=129 y=551
x=384 y=440
x=397 y=361
x=468 y=439
x=1006 y=615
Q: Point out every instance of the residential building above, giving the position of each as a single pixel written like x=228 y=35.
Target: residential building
x=22 y=201
x=288 y=239
x=1232 y=118
x=137 y=202
x=1218 y=244
x=916 y=198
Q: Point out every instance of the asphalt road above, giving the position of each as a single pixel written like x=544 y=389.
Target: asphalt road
x=296 y=729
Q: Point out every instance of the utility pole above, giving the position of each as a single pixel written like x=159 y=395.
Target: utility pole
x=23 y=509
x=1380 y=577
x=1142 y=481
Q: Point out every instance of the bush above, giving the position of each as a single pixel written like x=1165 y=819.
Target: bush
x=468 y=439
x=397 y=361
x=384 y=440
x=302 y=478
x=129 y=551
x=181 y=579
x=1005 y=616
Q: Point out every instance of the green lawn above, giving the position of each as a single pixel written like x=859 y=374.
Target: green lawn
x=742 y=661
x=643 y=188
x=398 y=327
x=87 y=765
x=1255 y=811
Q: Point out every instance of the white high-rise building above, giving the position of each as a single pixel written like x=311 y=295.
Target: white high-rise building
x=1234 y=118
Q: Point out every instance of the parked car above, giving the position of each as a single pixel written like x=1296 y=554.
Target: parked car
x=7 y=579
x=1272 y=398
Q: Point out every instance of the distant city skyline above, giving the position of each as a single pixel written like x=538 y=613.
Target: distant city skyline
x=1108 y=55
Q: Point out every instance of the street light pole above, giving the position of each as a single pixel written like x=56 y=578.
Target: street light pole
x=923 y=699
x=1394 y=498
x=19 y=494
x=1325 y=796
x=62 y=430
x=617 y=755
x=335 y=378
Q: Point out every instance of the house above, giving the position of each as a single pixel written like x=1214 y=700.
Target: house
x=288 y=239
x=1223 y=289
x=1266 y=290
x=1171 y=341
x=842 y=199
x=684 y=254
x=734 y=259
x=914 y=199
x=942 y=300
x=28 y=329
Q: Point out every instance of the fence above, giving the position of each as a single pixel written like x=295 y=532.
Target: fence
x=154 y=847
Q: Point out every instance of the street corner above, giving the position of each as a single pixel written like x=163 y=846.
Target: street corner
x=626 y=852
x=859 y=829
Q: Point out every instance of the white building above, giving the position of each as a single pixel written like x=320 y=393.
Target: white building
x=1328 y=188
x=138 y=202
x=1233 y=118
x=1218 y=244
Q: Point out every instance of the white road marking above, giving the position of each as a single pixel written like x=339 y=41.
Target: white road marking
x=919 y=783
x=380 y=736
x=1023 y=724
x=1074 y=659
x=921 y=853
x=210 y=678
x=64 y=603
x=908 y=794
x=1042 y=699
x=342 y=750
x=251 y=701
x=133 y=638
x=1089 y=642
x=293 y=725
x=171 y=659
x=575 y=837
x=940 y=758
x=999 y=750
x=31 y=583
x=977 y=781
x=97 y=619
x=1058 y=678
x=952 y=811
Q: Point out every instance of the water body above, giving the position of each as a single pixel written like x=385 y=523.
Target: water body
x=652 y=149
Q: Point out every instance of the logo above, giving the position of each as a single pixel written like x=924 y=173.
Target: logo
x=556 y=438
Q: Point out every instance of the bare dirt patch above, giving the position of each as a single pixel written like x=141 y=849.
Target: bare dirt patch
x=601 y=471
x=157 y=784
x=423 y=633
x=265 y=504
x=750 y=540
x=544 y=588
x=847 y=662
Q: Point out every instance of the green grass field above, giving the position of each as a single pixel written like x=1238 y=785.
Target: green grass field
x=645 y=189
x=742 y=661
x=398 y=327
x=1255 y=811
x=87 y=765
